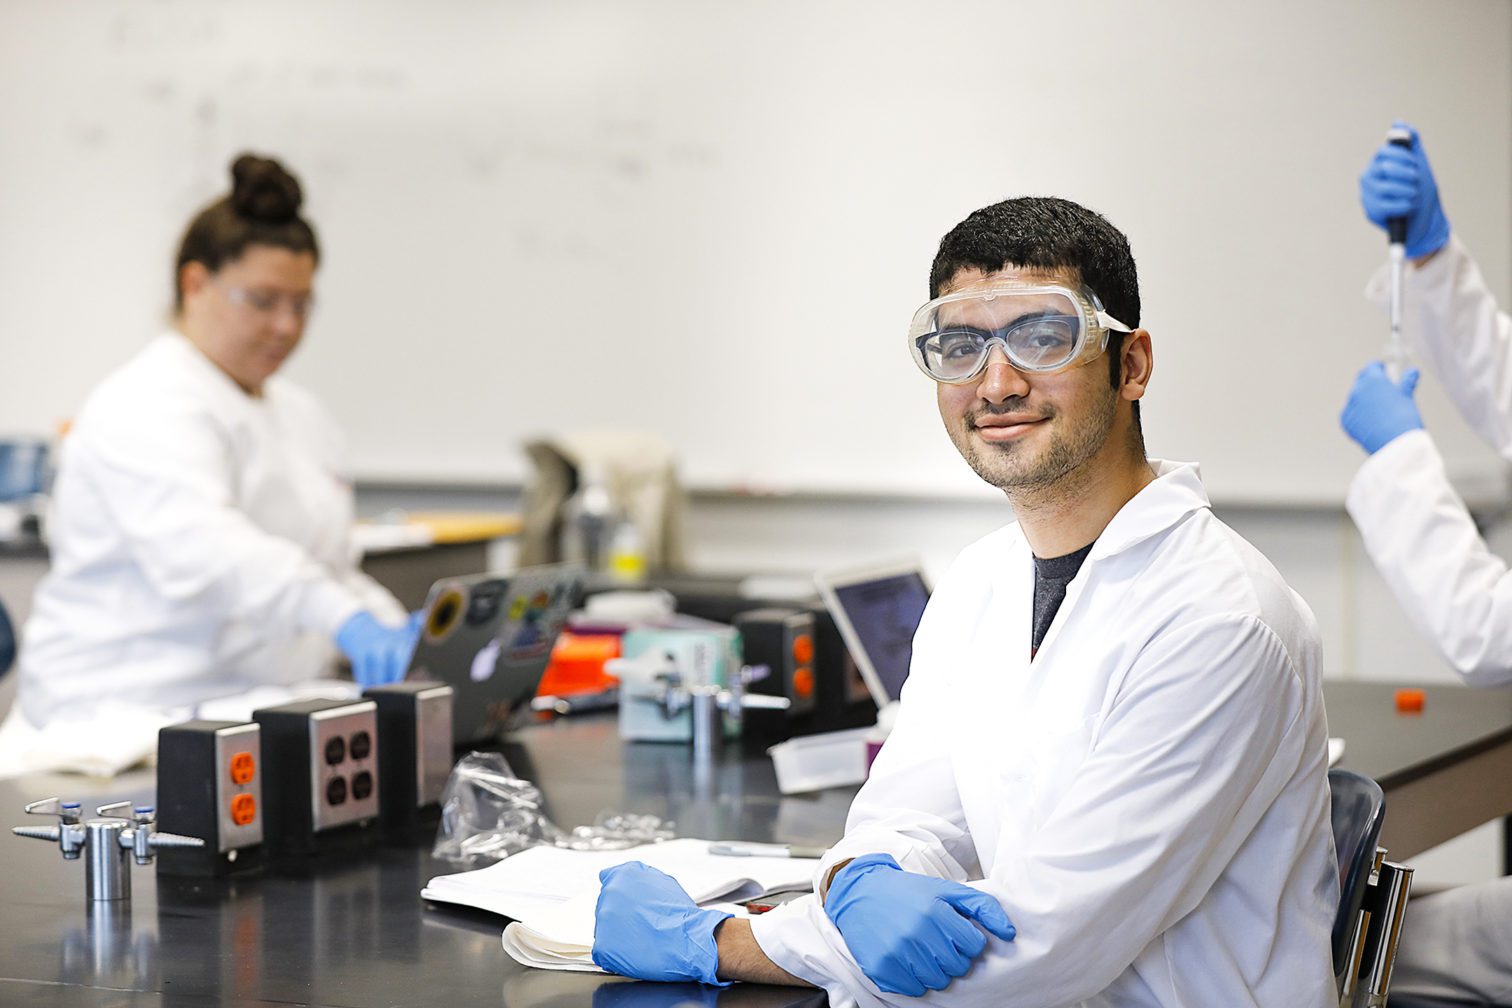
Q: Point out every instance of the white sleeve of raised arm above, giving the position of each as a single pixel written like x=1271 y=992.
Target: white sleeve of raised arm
x=1204 y=736
x=168 y=483
x=1426 y=546
x=1453 y=325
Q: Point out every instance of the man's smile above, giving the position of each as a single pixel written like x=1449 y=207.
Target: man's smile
x=1004 y=426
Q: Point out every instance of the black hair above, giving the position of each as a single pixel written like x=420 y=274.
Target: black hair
x=262 y=208
x=1045 y=233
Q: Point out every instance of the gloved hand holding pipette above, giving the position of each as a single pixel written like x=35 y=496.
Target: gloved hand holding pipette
x=1398 y=182
x=1399 y=194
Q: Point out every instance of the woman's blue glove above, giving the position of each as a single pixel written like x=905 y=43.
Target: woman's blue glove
x=1379 y=410
x=1399 y=183
x=910 y=932
x=646 y=926
x=379 y=653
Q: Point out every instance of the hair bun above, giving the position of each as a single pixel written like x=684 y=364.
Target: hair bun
x=262 y=190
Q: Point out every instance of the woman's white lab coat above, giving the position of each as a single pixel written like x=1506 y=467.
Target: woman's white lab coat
x=201 y=544
x=1454 y=589
x=1416 y=529
x=1147 y=797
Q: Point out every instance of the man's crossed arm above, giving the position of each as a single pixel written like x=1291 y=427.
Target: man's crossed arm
x=908 y=932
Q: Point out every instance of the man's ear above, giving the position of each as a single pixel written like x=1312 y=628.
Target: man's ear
x=1138 y=361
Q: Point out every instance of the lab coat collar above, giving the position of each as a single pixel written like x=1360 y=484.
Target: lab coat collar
x=224 y=384
x=1176 y=492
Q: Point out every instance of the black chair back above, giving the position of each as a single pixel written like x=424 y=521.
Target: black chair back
x=1359 y=806
x=7 y=642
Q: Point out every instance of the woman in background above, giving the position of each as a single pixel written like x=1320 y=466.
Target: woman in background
x=200 y=529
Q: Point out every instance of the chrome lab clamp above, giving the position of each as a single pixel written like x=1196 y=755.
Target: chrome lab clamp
x=106 y=842
x=673 y=693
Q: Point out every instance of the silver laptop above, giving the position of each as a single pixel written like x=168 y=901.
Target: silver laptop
x=877 y=609
x=489 y=636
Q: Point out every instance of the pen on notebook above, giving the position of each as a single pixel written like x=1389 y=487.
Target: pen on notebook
x=738 y=849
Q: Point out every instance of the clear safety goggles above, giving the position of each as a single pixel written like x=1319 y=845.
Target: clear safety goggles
x=1042 y=328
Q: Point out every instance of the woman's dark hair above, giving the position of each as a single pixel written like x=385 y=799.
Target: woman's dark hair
x=261 y=209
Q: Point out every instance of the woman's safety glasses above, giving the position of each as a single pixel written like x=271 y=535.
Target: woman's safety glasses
x=265 y=302
x=1042 y=328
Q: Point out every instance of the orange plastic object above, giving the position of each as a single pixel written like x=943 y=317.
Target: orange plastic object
x=803 y=649
x=803 y=681
x=577 y=665
x=1409 y=700
x=243 y=809
x=243 y=766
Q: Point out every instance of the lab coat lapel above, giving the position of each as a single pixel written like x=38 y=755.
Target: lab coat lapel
x=1176 y=492
x=1003 y=648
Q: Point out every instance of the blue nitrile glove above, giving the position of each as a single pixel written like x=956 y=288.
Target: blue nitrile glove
x=619 y=994
x=379 y=653
x=910 y=932
x=646 y=926
x=1379 y=410
x=1399 y=183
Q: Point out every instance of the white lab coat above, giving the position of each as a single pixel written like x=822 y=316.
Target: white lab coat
x=1415 y=527
x=1147 y=797
x=201 y=547
x=1454 y=589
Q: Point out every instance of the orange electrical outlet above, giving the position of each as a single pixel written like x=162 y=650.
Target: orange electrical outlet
x=803 y=681
x=243 y=809
x=242 y=768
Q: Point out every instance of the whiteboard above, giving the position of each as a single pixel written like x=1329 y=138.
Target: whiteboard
x=714 y=220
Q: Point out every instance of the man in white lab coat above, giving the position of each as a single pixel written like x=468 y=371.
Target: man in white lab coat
x=1107 y=783
x=1422 y=538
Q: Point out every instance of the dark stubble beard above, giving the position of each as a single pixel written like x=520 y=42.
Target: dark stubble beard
x=1009 y=467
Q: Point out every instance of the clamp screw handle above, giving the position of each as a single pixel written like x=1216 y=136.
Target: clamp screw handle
x=68 y=813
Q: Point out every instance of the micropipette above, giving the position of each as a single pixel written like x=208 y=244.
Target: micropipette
x=1396 y=232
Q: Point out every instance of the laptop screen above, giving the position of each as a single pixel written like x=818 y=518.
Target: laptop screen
x=878 y=616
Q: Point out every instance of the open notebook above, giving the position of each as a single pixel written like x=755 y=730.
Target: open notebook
x=550 y=893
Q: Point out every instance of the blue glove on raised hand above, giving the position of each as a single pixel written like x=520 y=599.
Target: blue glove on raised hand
x=1399 y=183
x=1379 y=410
x=646 y=926
x=910 y=932
x=379 y=653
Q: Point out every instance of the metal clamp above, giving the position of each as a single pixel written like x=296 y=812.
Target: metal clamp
x=708 y=701
x=1378 y=930
x=676 y=692
x=107 y=840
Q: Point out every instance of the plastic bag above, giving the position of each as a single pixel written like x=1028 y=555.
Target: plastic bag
x=487 y=814
x=618 y=830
